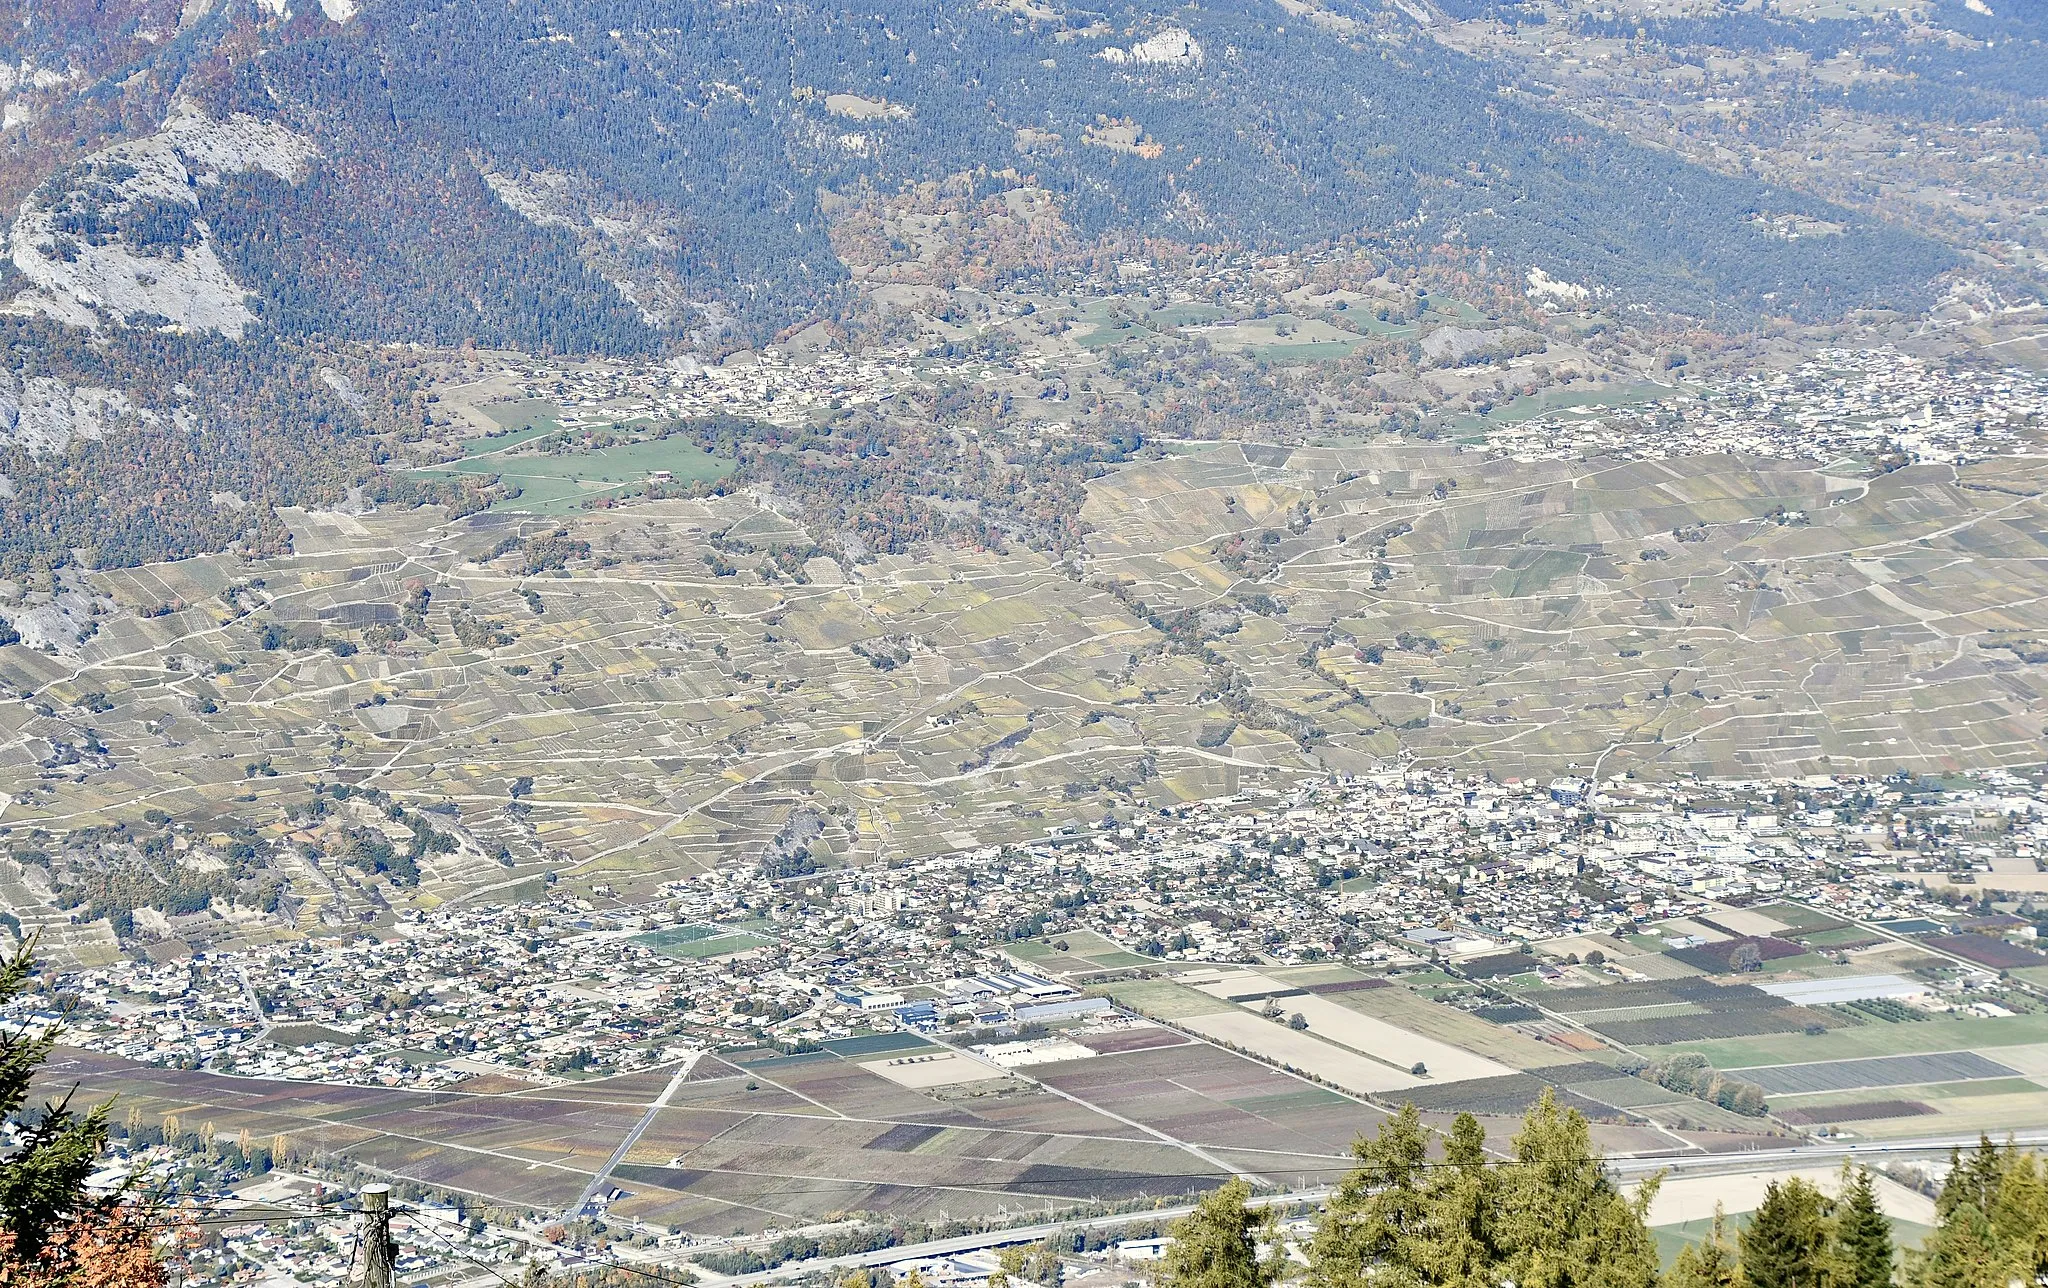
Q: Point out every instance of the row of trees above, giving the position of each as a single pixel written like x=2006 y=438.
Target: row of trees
x=1424 y=1212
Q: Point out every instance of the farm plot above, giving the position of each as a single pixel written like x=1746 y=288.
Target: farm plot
x=933 y=1069
x=1139 y=1038
x=722 y=1169
x=1855 y=1112
x=1986 y=951
x=1716 y=959
x=1937 y=1033
x=1617 y=999
x=1498 y=965
x=1163 y=999
x=1503 y=1097
x=1209 y=1096
x=775 y=1167
x=1241 y=986
x=1306 y=1052
x=1840 y=939
x=848 y=1089
x=1414 y=1013
x=1690 y=1010
x=1078 y=952
x=1878 y=1071
x=1744 y=921
x=1694 y=1198
x=868 y=1044
x=1346 y=986
x=1391 y=1043
x=1708 y=1026
x=1799 y=917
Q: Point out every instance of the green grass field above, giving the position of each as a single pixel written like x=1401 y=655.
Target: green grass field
x=1939 y=1034
x=298 y=1035
x=1163 y=999
x=524 y=418
x=1834 y=938
x=560 y=484
x=1085 y=952
x=1530 y=406
x=694 y=942
x=1800 y=917
x=1312 y=351
x=1934 y=1092
x=1188 y=314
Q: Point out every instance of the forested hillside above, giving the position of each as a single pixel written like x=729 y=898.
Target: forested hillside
x=693 y=149
x=142 y=446
x=214 y=203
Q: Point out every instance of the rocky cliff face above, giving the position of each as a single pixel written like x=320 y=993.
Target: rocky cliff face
x=118 y=237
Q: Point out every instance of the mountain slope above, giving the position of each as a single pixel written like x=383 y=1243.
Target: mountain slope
x=615 y=175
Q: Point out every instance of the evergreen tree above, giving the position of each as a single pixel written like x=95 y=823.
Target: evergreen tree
x=1457 y=1247
x=1373 y=1226
x=1788 y=1241
x=51 y=1231
x=2020 y=1217
x=1863 y=1234
x=1217 y=1245
x=43 y=1180
x=1563 y=1222
x=1992 y=1222
x=1707 y=1264
x=1547 y=1217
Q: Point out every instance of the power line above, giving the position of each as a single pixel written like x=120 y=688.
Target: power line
x=481 y=1265
x=585 y=1258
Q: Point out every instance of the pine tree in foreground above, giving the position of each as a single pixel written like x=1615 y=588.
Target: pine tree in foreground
x=1863 y=1233
x=1562 y=1221
x=1710 y=1263
x=1991 y=1226
x=1217 y=1245
x=52 y=1233
x=1549 y=1216
x=1787 y=1242
x=1373 y=1226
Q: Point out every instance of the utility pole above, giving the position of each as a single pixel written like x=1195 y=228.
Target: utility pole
x=380 y=1254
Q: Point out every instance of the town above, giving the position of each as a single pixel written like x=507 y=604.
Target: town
x=1018 y=958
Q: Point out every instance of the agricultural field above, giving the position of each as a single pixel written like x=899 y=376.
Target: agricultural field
x=1937 y=1033
x=905 y=1123
x=1683 y=1210
x=1079 y=953
x=1327 y=1060
x=1859 y=1038
x=1876 y=1072
x=702 y=941
x=1365 y=1035
x=884 y=1124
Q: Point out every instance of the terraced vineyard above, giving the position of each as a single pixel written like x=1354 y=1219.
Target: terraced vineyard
x=623 y=696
